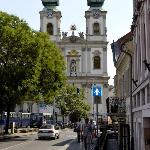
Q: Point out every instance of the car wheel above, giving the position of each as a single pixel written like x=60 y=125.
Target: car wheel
x=58 y=136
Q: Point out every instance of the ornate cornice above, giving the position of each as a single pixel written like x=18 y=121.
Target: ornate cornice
x=73 y=52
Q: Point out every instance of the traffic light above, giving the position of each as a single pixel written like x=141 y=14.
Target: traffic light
x=78 y=90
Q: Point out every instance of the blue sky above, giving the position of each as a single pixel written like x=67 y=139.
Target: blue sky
x=119 y=18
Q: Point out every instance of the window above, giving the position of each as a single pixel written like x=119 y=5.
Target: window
x=138 y=99
x=97 y=61
x=96 y=28
x=148 y=93
x=50 y=29
x=134 y=101
x=143 y=96
x=97 y=99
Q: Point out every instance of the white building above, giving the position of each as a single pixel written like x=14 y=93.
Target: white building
x=141 y=74
x=85 y=54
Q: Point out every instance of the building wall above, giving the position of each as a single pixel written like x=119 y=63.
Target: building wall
x=141 y=93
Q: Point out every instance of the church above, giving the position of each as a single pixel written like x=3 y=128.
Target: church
x=86 y=53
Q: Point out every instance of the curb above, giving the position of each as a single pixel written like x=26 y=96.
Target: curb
x=5 y=137
x=8 y=137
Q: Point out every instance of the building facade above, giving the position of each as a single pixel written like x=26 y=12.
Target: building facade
x=141 y=73
x=122 y=56
x=86 y=53
x=122 y=52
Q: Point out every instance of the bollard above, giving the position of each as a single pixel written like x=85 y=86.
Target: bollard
x=12 y=127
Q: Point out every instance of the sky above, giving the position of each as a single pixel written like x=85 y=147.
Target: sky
x=118 y=19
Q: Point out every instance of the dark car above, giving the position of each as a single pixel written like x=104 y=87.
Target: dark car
x=60 y=123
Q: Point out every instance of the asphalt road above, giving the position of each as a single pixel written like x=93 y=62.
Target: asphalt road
x=31 y=142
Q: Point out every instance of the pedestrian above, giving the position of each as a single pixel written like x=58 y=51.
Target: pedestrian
x=86 y=133
x=78 y=129
x=93 y=130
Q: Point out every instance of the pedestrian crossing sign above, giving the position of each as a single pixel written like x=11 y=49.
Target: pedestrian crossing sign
x=97 y=91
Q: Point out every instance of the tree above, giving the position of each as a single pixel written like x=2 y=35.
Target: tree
x=70 y=102
x=30 y=64
x=49 y=75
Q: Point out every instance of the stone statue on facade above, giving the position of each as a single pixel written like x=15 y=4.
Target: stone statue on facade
x=73 y=68
x=64 y=34
x=81 y=34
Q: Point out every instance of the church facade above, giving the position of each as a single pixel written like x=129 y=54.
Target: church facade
x=86 y=53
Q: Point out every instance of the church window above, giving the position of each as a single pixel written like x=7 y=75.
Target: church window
x=50 y=28
x=96 y=28
x=97 y=62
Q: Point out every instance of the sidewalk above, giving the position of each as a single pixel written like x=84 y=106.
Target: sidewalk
x=16 y=135
x=74 y=145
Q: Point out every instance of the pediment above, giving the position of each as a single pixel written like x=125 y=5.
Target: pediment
x=73 y=39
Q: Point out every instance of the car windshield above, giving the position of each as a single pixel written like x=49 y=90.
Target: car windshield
x=46 y=127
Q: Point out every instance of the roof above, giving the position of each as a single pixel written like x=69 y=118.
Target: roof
x=117 y=46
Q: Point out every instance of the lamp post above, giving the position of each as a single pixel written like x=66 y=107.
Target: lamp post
x=131 y=113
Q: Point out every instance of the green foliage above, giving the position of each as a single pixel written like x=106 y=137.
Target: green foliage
x=69 y=101
x=30 y=64
x=48 y=71
x=16 y=58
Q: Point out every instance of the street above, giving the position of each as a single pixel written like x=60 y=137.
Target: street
x=31 y=142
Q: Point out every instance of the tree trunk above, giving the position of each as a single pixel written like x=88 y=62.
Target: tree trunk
x=63 y=120
x=7 y=120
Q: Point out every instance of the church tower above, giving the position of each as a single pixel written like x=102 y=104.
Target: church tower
x=96 y=63
x=96 y=33
x=50 y=19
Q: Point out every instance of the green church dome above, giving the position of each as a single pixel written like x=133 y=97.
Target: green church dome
x=95 y=3
x=50 y=3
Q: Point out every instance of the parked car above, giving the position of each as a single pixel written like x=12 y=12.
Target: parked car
x=48 y=131
x=60 y=123
x=65 y=124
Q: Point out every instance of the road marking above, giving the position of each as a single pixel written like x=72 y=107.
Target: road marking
x=16 y=145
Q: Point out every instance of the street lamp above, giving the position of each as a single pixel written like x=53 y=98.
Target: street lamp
x=124 y=50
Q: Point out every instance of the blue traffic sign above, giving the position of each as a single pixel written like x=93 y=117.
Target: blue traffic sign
x=97 y=91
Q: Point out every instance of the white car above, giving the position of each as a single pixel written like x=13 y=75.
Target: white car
x=48 y=131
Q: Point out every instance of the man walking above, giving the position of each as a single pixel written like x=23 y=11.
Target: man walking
x=87 y=132
x=78 y=129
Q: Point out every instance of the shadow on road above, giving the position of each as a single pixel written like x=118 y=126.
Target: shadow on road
x=74 y=146
x=13 y=139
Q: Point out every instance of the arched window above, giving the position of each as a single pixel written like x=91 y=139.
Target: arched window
x=97 y=62
x=50 y=29
x=96 y=28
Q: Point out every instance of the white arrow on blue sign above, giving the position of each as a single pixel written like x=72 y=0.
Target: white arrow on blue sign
x=97 y=91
